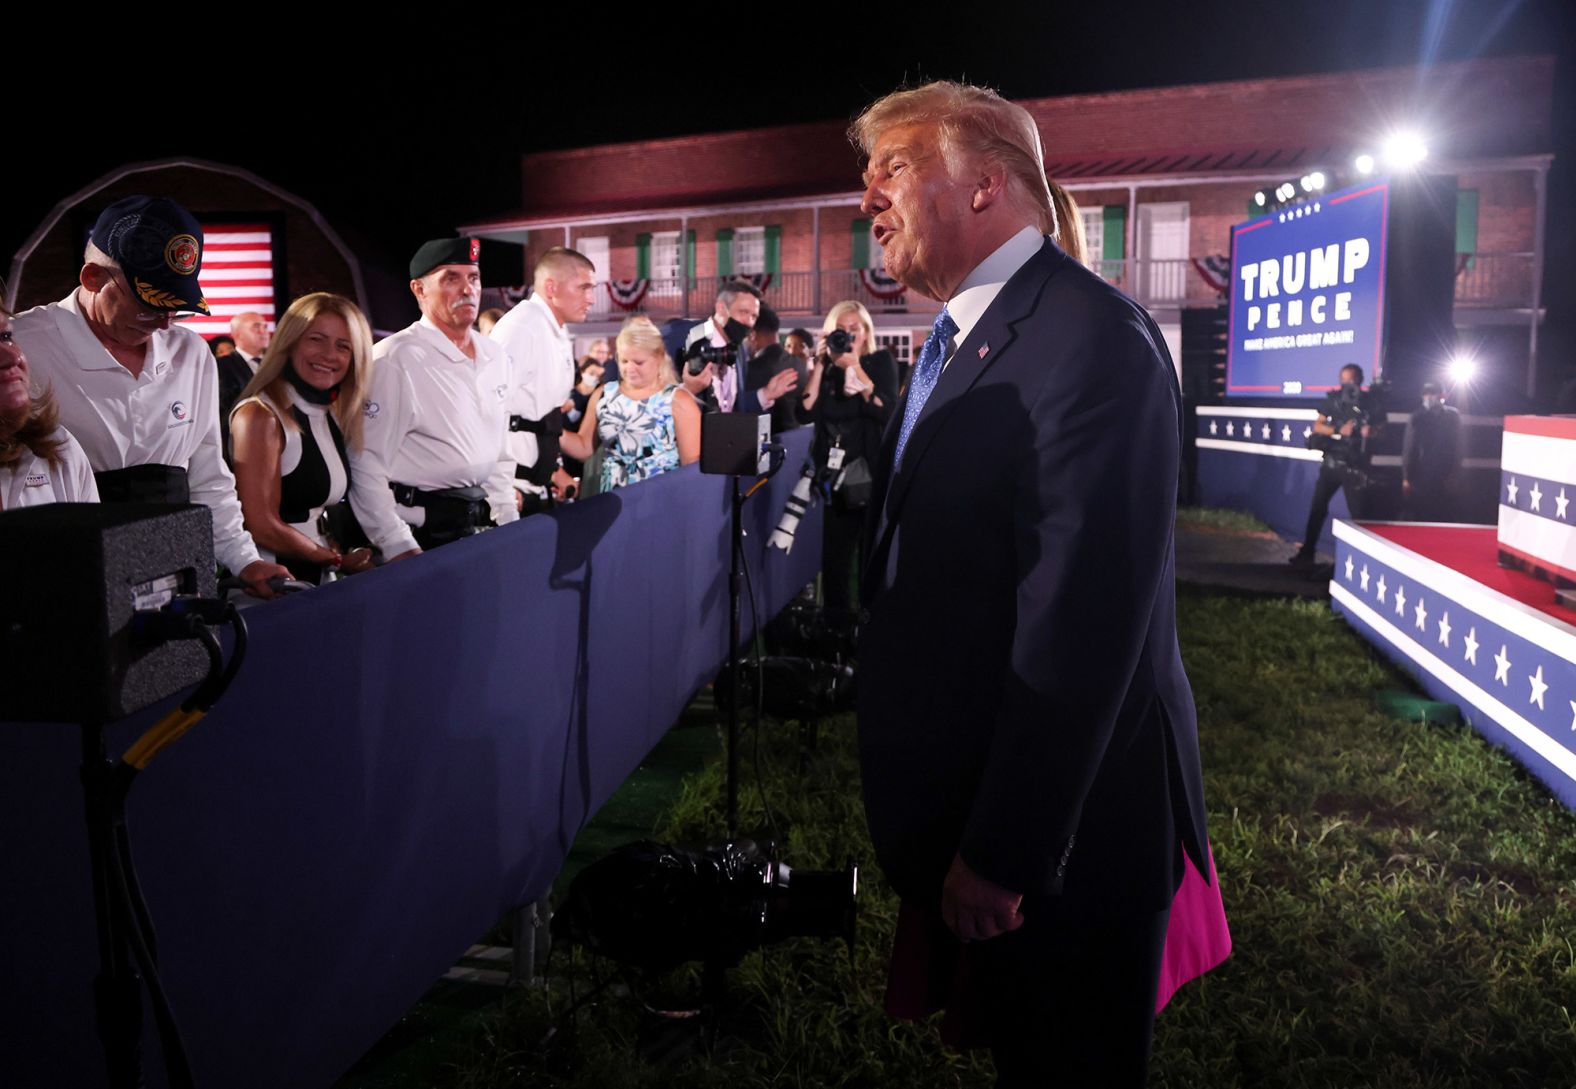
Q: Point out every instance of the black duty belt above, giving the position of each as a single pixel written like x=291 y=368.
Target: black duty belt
x=547 y=429
x=143 y=484
x=452 y=513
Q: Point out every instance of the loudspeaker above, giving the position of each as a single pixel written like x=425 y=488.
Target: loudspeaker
x=734 y=443
x=75 y=573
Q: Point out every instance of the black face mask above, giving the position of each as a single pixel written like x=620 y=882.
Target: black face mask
x=309 y=393
x=1349 y=389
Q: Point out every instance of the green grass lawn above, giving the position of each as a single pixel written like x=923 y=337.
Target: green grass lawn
x=1400 y=898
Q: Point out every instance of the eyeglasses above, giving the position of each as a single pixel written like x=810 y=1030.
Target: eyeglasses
x=147 y=315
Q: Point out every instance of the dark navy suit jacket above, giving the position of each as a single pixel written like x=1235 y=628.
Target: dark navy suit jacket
x=1022 y=697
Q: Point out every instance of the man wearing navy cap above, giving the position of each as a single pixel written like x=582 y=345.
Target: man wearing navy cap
x=432 y=465
x=139 y=393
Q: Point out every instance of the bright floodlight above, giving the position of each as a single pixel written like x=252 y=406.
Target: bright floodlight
x=1364 y=164
x=1461 y=369
x=1258 y=198
x=1317 y=178
x=1404 y=150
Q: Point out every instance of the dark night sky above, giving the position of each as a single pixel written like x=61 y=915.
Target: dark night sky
x=400 y=143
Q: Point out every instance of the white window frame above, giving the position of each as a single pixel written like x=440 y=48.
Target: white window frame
x=749 y=251
x=666 y=262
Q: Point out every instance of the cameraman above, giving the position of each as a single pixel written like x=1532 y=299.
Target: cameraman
x=1342 y=431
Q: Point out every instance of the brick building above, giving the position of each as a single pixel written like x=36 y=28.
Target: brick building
x=1160 y=175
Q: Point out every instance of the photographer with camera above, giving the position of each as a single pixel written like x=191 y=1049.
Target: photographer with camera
x=850 y=394
x=1347 y=420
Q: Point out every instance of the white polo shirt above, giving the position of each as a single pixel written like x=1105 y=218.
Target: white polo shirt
x=167 y=415
x=544 y=370
x=33 y=482
x=433 y=419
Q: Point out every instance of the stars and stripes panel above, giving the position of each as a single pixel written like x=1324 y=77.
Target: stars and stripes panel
x=1274 y=432
x=1510 y=667
x=237 y=275
x=1537 y=486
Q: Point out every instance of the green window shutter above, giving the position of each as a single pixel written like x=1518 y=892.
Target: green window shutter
x=689 y=254
x=724 y=251
x=1254 y=211
x=861 y=243
x=774 y=239
x=1466 y=221
x=643 y=256
x=1114 y=227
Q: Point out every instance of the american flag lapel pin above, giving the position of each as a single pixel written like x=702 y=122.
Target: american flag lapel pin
x=984 y=350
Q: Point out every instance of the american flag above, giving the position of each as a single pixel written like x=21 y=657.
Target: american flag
x=237 y=275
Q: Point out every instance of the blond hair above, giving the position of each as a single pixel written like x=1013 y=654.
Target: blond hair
x=1069 y=233
x=852 y=306
x=640 y=332
x=269 y=381
x=976 y=126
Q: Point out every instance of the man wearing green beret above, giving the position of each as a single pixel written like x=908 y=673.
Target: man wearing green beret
x=433 y=467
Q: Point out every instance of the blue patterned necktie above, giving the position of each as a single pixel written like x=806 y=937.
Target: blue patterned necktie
x=926 y=371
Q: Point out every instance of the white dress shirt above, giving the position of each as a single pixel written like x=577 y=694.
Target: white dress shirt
x=32 y=482
x=980 y=287
x=434 y=418
x=167 y=415
x=543 y=354
x=728 y=385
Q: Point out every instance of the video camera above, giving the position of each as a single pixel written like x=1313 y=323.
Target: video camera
x=702 y=352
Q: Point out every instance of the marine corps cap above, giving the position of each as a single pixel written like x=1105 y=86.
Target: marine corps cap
x=158 y=245
x=444 y=251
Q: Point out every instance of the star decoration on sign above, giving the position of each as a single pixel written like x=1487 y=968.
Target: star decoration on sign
x=1535 y=495
x=1363 y=578
x=1538 y=688
x=1422 y=615
x=1214 y=427
x=1444 y=630
x=1266 y=431
x=1381 y=587
x=1349 y=565
x=1400 y=600
x=1231 y=429
x=1502 y=665
x=1513 y=490
x=1560 y=503
x=1285 y=432
x=1306 y=432
x=1471 y=645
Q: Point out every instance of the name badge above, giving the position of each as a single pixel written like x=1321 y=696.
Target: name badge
x=35 y=480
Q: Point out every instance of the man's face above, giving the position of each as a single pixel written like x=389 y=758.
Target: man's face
x=1351 y=379
x=1432 y=401
x=760 y=340
x=449 y=296
x=921 y=215
x=744 y=309
x=251 y=333
x=119 y=315
x=570 y=298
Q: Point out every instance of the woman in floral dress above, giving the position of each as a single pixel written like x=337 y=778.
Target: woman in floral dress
x=645 y=422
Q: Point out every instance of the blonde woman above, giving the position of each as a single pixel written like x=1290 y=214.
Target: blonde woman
x=645 y=421
x=39 y=460
x=292 y=430
x=850 y=395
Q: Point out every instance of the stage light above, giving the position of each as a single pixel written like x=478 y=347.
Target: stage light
x=1317 y=178
x=1307 y=183
x=1364 y=164
x=1404 y=150
x=1260 y=199
x=1462 y=368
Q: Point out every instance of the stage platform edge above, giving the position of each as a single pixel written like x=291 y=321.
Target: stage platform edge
x=1510 y=667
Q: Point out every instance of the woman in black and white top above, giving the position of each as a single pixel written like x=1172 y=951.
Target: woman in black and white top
x=290 y=432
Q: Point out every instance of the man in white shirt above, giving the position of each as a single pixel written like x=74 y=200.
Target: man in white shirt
x=139 y=393
x=432 y=467
x=741 y=303
x=536 y=336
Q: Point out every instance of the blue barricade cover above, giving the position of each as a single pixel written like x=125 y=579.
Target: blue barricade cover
x=404 y=756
